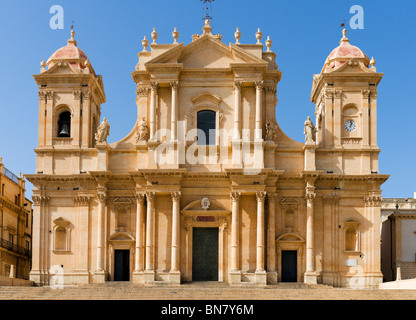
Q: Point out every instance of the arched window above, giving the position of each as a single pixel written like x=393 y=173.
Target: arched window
x=64 y=125
x=206 y=127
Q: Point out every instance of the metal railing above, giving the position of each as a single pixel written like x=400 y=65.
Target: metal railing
x=10 y=175
x=15 y=248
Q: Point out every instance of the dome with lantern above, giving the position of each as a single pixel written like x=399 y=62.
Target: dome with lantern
x=344 y=52
x=70 y=53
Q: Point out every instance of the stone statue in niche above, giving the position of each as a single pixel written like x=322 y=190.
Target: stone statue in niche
x=143 y=131
x=270 y=131
x=103 y=132
x=309 y=131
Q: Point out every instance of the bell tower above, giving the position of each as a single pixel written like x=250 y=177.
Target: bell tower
x=345 y=97
x=70 y=96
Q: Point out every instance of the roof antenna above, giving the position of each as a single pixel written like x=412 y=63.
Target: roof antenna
x=207 y=10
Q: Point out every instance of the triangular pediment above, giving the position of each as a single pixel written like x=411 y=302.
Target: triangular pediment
x=205 y=52
x=352 y=66
x=62 y=67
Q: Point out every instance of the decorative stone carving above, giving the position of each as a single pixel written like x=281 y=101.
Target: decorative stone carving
x=309 y=131
x=102 y=196
x=366 y=94
x=42 y=95
x=235 y=196
x=237 y=85
x=81 y=200
x=259 y=84
x=261 y=195
x=103 y=132
x=142 y=92
x=139 y=197
x=373 y=200
x=174 y=85
x=143 y=131
x=271 y=131
x=150 y=196
x=176 y=195
x=310 y=196
x=205 y=203
x=38 y=200
x=77 y=95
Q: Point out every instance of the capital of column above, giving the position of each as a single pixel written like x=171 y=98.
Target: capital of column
x=373 y=200
x=150 y=196
x=102 y=196
x=237 y=85
x=82 y=200
x=261 y=196
x=39 y=200
x=174 y=85
x=271 y=196
x=259 y=84
x=235 y=195
x=139 y=196
x=310 y=196
x=154 y=85
x=176 y=196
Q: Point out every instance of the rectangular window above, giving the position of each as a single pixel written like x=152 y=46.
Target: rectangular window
x=27 y=220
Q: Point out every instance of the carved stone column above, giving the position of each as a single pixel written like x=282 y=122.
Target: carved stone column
x=328 y=134
x=139 y=258
x=310 y=275
x=175 y=274
x=174 y=111
x=237 y=110
x=81 y=245
x=39 y=272
x=261 y=275
x=259 y=95
x=373 y=118
x=149 y=273
x=99 y=275
x=235 y=273
x=271 y=232
x=371 y=245
x=152 y=121
x=337 y=117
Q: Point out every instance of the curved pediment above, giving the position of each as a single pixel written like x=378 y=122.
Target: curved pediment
x=121 y=236
x=206 y=99
x=198 y=205
x=290 y=237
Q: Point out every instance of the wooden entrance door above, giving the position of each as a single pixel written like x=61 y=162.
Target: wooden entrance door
x=289 y=266
x=205 y=254
x=121 y=265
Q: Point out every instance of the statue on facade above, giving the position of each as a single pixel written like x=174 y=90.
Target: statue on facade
x=143 y=131
x=309 y=131
x=270 y=131
x=103 y=132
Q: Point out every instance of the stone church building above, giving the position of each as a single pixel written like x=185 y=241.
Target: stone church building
x=206 y=186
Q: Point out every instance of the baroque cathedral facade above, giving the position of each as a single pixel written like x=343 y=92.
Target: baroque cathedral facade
x=206 y=186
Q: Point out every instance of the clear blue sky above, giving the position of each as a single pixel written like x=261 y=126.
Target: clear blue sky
x=303 y=34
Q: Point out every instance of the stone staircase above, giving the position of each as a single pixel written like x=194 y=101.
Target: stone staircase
x=200 y=291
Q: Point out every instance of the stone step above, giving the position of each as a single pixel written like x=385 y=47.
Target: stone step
x=120 y=291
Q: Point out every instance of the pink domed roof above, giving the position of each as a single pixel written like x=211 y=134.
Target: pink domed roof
x=74 y=55
x=344 y=52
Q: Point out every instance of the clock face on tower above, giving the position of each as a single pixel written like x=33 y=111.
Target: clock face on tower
x=350 y=125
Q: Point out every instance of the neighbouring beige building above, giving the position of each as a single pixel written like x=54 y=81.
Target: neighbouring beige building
x=16 y=226
x=398 y=238
x=242 y=204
